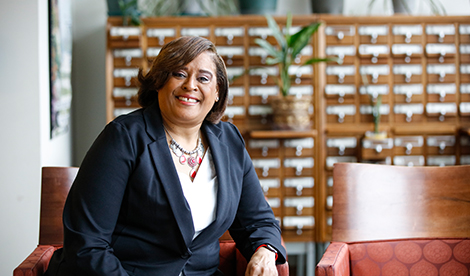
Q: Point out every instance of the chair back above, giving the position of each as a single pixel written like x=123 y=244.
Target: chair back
x=377 y=202
x=56 y=183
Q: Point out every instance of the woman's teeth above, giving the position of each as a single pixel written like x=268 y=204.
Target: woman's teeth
x=184 y=99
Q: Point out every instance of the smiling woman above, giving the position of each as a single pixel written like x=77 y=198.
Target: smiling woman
x=156 y=191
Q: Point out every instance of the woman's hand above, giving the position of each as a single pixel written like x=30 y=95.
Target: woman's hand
x=262 y=263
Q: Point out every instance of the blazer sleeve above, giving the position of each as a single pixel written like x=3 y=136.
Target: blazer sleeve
x=254 y=222
x=92 y=207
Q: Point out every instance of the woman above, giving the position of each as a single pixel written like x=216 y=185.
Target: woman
x=160 y=186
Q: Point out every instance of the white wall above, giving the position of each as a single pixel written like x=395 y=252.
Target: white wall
x=24 y=126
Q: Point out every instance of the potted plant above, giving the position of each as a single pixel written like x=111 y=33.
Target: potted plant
x=375 y=104
x=407 y=6
x=289 y=111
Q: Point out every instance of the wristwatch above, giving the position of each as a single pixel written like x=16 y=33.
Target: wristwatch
x=268 y=247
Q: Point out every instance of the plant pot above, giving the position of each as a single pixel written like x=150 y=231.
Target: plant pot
x=114 y=10
x=258 y=6
x=403 y=6
x=327 y=6
x=291 y=113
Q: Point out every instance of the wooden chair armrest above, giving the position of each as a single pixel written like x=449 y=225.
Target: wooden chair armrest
x=335 y=261
x=36 y=263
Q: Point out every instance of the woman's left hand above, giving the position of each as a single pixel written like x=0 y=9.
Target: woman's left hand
x=262 y=263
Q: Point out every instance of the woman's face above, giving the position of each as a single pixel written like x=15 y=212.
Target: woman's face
x=190 y=92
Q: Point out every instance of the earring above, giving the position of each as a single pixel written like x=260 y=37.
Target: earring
x=217 y=99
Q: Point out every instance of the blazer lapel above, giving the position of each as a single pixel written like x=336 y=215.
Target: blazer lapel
x=167 y=173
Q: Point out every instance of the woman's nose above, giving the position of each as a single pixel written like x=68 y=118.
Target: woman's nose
x=190 y=84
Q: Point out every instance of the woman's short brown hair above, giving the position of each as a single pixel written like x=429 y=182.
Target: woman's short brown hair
x=175 y=55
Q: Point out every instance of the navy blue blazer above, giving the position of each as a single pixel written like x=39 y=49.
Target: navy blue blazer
x=126 y=213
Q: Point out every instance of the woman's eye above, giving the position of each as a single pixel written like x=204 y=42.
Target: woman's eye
x=178 y=75
x=203 y=79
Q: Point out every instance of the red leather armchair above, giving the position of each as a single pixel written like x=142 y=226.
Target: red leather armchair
x=56 y=182
x=392 y=220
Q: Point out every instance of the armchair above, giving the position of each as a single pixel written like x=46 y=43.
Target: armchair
x=391 y=220
x=56 y=182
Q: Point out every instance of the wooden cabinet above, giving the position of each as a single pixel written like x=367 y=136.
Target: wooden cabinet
x=419 y=66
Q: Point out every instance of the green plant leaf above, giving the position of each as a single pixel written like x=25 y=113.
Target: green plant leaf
x=300 y=39
x=276 y=31
x=317 y=60
x=272 y=51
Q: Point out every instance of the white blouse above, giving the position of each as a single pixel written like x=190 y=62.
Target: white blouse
x=201 y=193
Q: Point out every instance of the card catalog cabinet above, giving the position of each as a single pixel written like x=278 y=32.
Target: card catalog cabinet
x=418 y=67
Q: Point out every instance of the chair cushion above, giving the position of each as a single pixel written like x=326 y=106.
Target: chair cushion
x=430 y=257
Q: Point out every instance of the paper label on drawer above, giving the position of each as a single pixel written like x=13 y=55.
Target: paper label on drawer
x=195 y=32
x=441 y=108
x=465 y=88
x=407 y=49
x=440 y=29
x=229 y=32
x=374 y=89
x=124 y=31
x=407 y=69
x=230 y=51
x=123 y=73
x=465 y=141
x=465 y=107
x=153 y=51
x=340 y=51
x=408 y=109
x=260 y=31
x=305 y=182
x=263 y=143
x=268 y=71
x=408 y=160
x=415 y=141
x=300 y=70
x=464 y=49
x=299 y=162
x=444 y=88
x=295 y=143
x=257 y=51
x=341 y=70
x=232 y=111
x=407 y=30
x=298 y=221
x=367 y=109
x=441 y=69
x=234 y=71
x=264 y=90
x=340 y=89
x=161 y=32
x=123 y=53
x=236 y=91
x=386 y=143
x=438 y=141
x=374 y=70
x=340 y=29
x=347 y=142
x=465 y=68
x=341 y=109
x=271 y=183
x=375 y=50
x=331 y=160
x=301 y=90
x=373 y=30
x=267 y=163
x=464 y=29
x=306 y=202
x=465 y=160
x=440 y=49
x=259 y=110
x=274 y=202
x=125 y=92
x=441 y=161
x=408 y=89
